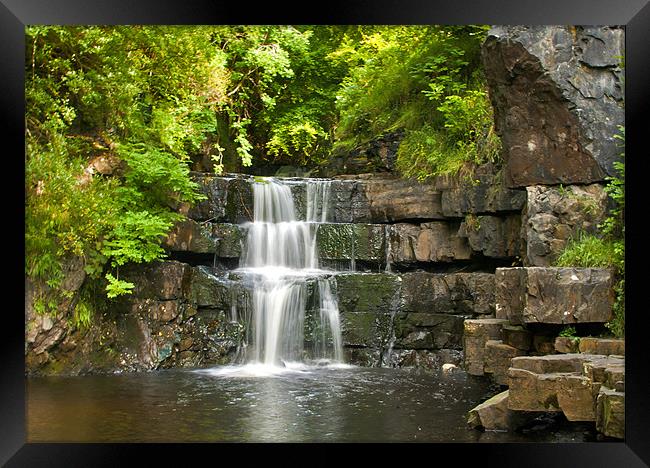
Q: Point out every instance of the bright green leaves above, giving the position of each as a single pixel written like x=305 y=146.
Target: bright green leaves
x=116 y=287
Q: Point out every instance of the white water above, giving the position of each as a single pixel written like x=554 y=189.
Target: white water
x=280 y=257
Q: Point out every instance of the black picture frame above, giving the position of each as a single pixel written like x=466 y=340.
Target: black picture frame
x=634 y=14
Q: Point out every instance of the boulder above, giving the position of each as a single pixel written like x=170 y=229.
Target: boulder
x=476 y=335
x=554 y=295
x=557 y=94
x=554 y=215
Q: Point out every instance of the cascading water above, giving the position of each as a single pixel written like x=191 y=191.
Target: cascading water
x=280 y=257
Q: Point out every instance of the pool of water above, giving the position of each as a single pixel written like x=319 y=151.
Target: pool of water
x=298 y=404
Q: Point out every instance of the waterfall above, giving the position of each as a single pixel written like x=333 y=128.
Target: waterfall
x=280 y=259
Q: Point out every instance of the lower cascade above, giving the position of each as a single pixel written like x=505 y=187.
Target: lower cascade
x=290 y=292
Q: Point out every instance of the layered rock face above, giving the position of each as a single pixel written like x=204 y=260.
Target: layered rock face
x=557 y=92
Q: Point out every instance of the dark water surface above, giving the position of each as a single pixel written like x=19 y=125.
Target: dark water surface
x=312 y=405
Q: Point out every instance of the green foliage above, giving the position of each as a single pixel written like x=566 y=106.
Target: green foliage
x=426 y=81
x=569 y=332
x=145 y=97
x=588 y=251
x=116 y=287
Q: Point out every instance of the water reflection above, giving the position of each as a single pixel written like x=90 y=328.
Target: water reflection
x=304 y=404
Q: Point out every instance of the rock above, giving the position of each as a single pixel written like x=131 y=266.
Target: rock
x=228 y=239
x=190 y=236
x=517 y=337
x=366 y=329
x=392 y=198
x=554 y=215
x=602 y=346
x=530 y=391
x=428 y=242
x=575 y=398
x=564 y=382
x=554 y=363
x=376 y=293
x=160 y=280
x=543 y=343
x=348 y=202
x=213 y=208
x=493 y=236
x=554 y=295
x=558 y=99
x=74 y=273
x=566 y=344
x=497 y=360
x=484 y=193
x=476 y=334
x=448 y=368
x=494 y=414
x=345 y=241
x=428 y=331
x=451 y=293
x=610 y=413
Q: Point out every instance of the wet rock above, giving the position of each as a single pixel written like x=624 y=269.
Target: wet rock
x=213 y=208
x=494 y=414
x=376 y=293
x=610 y=413
x=428 y=242
x=566 y=344
x=428 y=331
x=554 y=295
x=348 y=202
x=557 y=95
x=602 y=346
x=476 y=334
x=497 y=360
x=347 y=241
x=553 y=215
x=453 y=293
x=493 y=236
x=228 y=239
x=190 y=236
x=366 y=329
